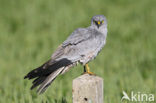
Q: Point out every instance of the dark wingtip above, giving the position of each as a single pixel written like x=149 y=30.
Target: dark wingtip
x=26 y=77
x=32 y=87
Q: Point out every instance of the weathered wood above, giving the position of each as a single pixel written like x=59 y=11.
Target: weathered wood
x=88 y=89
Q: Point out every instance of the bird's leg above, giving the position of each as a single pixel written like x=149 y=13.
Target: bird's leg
x=84 y=69
x=87 y=70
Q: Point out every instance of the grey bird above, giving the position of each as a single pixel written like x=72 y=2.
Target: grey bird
x=82 y=46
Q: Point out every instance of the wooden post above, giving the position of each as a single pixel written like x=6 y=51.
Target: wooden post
x=88 y=89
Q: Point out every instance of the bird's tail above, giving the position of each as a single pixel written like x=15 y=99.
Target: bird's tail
x=45 y=74
x=48 y=80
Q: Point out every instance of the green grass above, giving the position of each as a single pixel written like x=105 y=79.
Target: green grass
x=31 y=30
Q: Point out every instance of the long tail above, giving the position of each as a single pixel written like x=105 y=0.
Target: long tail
x=45 y=74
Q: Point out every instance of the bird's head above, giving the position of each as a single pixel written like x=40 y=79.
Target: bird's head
x=99 y=21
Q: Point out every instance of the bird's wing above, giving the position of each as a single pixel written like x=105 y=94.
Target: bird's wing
x=82 y=42
x=77 y=36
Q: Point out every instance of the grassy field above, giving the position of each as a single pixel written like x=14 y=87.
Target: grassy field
x=31 y=30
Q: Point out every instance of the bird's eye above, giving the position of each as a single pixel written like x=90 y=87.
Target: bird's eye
x=97 y=22
x=102 y=21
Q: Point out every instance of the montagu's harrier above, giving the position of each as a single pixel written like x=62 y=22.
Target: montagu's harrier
x=81 y=46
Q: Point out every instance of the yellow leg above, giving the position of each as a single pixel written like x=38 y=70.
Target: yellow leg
x=87 y=70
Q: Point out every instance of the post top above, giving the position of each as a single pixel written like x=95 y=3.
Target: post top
x=88 y=78
x=87 y=89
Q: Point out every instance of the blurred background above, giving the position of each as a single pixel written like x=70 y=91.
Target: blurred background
x=31 y=30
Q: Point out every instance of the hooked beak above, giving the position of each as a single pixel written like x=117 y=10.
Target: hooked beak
x=98 y=23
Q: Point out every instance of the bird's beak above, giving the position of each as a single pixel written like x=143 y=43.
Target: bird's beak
x=98 y=24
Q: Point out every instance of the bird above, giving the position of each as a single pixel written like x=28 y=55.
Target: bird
x=81 y=47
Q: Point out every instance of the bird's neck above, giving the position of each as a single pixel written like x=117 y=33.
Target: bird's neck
x=102 y=29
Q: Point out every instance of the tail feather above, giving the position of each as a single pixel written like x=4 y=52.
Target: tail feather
x=45 y=74
x=47 y=68
x=40 y=71
x=37 y=82
x=49 y=80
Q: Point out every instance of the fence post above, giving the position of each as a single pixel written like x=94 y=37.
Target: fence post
x=87 y=89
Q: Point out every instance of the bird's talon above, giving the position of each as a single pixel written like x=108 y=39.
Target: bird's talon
x=90 y=73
